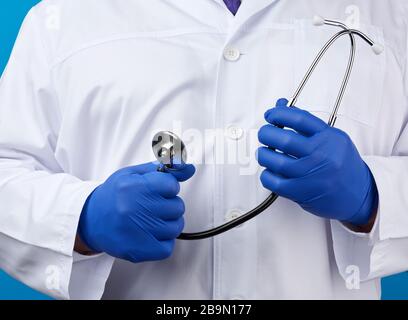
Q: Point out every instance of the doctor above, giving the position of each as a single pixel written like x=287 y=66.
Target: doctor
x=84 y=213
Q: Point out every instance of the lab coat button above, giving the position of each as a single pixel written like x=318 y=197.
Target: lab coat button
x=232 y=215
x=231 y=54
x=234 y=132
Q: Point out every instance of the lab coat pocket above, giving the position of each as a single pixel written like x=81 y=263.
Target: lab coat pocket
x=364 y=94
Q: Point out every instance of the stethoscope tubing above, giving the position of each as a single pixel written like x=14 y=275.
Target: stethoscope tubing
x=232 y=224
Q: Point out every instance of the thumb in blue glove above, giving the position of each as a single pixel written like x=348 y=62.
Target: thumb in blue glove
x=136 y=214
x=316 y=166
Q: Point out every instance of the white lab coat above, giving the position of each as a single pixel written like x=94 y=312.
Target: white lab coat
x=89 y=83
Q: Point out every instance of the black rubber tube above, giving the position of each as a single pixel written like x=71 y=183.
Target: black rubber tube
x=232 y=224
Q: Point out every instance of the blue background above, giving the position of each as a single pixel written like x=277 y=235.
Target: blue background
x=12 y=13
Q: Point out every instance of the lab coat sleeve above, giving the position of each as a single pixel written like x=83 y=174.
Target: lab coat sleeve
x=40 y=205
x=384 y=251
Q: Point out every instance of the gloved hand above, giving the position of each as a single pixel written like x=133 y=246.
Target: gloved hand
x=136 y=214
x=318 y=166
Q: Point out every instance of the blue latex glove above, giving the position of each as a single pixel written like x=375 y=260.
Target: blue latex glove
x=318 y=166
x=136 y=214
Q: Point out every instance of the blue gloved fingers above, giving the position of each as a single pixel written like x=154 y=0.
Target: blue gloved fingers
x=141 y=195
x=159 y=250
x=139 y=169
x=184 y=174
x=170 y=209
x=158 y=228
x=181 y=175
x=166 y=249
x=286 y=141
x=169 y=230
x=275 y=183
x=296 y=119
x=282 y=102
x=164 y=184
x=285 y=165
x=279 y=163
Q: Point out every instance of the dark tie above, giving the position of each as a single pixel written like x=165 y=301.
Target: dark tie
x=233 y=5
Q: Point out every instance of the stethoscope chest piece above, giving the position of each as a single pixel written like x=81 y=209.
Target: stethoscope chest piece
x=169 y=150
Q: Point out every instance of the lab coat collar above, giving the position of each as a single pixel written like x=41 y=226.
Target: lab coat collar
x=251 y=7
x=247 y=10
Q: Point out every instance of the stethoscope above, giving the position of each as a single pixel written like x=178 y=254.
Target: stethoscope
x=170 y=150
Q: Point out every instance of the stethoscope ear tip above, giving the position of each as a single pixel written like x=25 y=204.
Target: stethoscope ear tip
x=318 y=20
x=377 y=48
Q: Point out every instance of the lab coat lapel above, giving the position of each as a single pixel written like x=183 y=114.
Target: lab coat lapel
x=248 y=9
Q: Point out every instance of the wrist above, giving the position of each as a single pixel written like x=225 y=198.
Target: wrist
x=82 y=248
x=82 y=242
